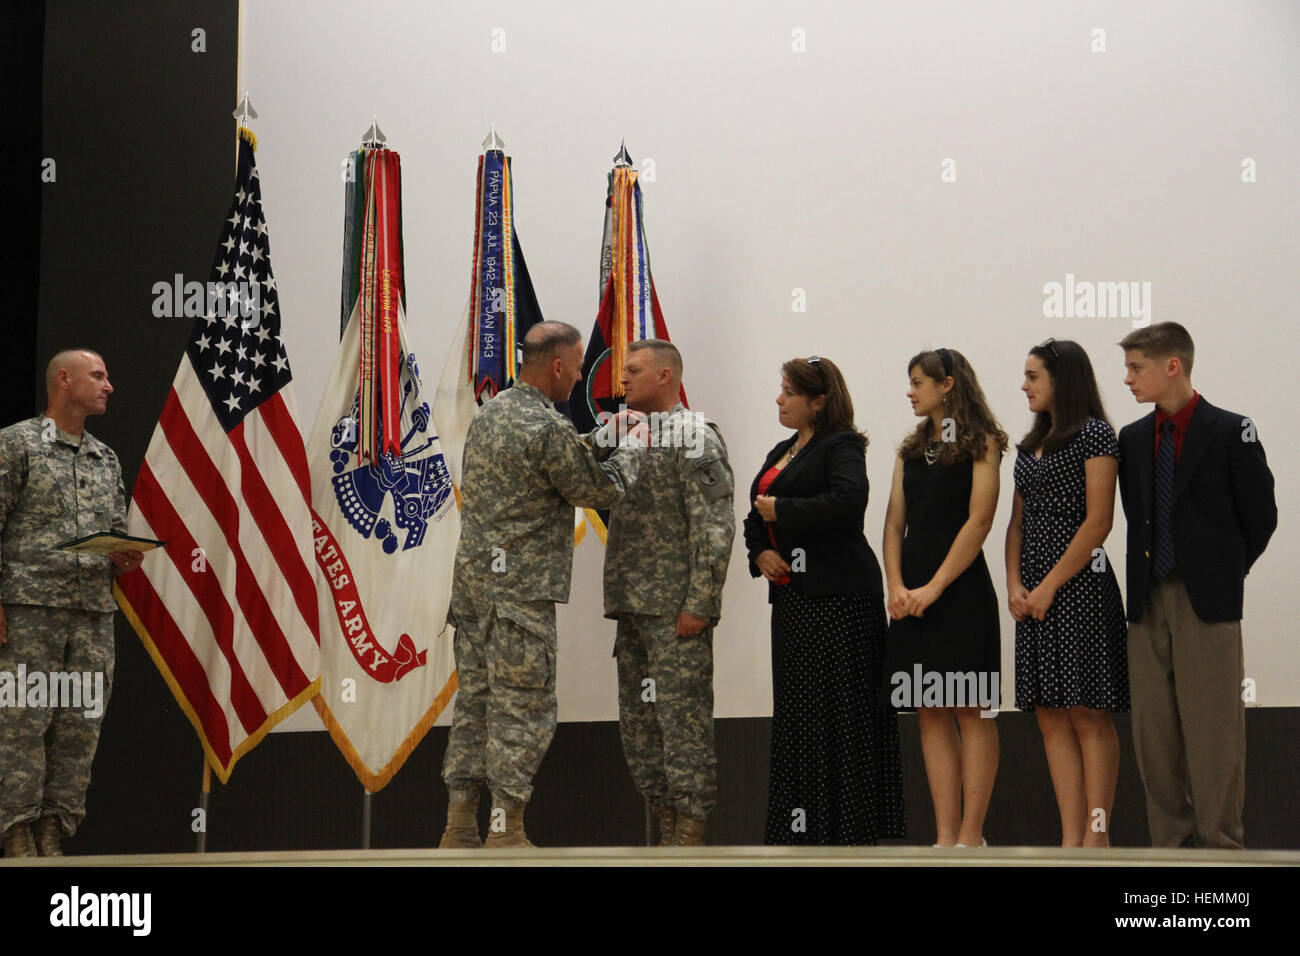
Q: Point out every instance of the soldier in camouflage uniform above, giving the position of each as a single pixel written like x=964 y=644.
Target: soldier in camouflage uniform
x=57 y=482
x=525 y=469
x=666 y=560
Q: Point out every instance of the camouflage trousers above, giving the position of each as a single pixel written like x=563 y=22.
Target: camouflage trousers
x=665 y=712
x=46 y=751
x=504 y=716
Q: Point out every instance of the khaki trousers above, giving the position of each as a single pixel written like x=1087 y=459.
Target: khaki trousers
x=1189 y=723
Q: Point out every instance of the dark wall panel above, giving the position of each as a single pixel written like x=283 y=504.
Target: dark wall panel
x=294 y=792
x=22 y=28
x=141 y=130
x=139 y=126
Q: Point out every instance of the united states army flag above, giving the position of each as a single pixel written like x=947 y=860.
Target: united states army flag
x=385 y=522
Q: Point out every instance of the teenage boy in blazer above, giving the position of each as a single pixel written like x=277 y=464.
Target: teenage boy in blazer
x=1198 y=496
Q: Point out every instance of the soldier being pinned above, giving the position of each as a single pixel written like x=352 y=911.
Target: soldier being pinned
x=525 y=469
x=666 y=560
x=57 y=482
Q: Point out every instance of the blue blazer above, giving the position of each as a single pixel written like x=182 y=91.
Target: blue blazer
x=1224 y=511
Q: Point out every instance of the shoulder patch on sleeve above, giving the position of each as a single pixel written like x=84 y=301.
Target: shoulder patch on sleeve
x=714 y=481
x=710 y=473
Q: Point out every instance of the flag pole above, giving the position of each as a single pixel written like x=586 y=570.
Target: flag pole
x=622 y=158
x=242 y=114
x=374 y=137
x=205 y=789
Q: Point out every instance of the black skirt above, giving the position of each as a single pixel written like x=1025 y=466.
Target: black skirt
x=959 y=635
x=836 y=777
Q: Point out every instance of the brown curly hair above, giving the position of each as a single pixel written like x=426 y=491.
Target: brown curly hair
x=967 y=407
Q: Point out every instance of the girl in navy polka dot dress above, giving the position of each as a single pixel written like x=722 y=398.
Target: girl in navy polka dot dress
x=1071 y=661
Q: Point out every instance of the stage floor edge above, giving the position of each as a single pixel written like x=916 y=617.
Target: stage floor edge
x=695 y=856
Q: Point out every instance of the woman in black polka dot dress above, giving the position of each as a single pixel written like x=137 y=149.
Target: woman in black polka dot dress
x=1071 y=661
x=836 y=777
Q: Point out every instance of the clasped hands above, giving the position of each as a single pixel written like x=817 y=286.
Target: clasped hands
x=1025 y=604
x=905 y=602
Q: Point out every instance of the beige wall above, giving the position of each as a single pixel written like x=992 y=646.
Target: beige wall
x=820 y=170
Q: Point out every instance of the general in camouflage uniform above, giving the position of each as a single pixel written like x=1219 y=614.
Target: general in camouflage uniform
x=55 y=485
x=666 y=560
x=525 y=469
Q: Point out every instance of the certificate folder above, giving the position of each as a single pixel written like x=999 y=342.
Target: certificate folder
x=106 y=542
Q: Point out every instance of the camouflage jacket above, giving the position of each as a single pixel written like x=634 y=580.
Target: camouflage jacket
x=524 y=471
x=52 y=491
x=670 y=537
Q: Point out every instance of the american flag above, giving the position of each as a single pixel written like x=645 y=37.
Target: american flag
x=228 y=609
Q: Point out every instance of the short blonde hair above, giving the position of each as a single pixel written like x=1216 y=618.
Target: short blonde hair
x=62 y=360
x=665 y=353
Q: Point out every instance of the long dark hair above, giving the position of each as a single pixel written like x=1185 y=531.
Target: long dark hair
x=967 y=407
x=1075 y=394
x=815 y=376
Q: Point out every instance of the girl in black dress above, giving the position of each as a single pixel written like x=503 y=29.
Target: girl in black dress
x=943 y=656
x=1071 y=658
x=836 y=776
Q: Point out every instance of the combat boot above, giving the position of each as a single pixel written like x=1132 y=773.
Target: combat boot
x=667 y=817
x=513 y=837
x=48 y=834
x=690 y=831
x=461 y=832
x=19 y=842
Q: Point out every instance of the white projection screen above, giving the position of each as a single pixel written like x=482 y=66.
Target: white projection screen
x=915 y=173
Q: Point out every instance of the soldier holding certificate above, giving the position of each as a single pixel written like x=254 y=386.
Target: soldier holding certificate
x=57 y=482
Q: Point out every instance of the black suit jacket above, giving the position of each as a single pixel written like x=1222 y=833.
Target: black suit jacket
x=821 y=503
x=1223 y=513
